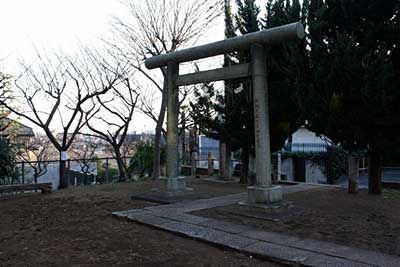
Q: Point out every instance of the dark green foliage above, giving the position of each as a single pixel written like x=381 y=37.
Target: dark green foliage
x=247 y=16
x=284 y=62
x=229 y=25
x=8 y=172
x=282 y=67
x=343 y=78
x=104 y=171
x=5 y=81
x=142 y=161
x=208 y=113
x=353 y=74
x=349 y=88
x=333 y=162
x=230 y=116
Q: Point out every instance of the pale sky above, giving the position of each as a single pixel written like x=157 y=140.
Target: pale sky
x=52 y=25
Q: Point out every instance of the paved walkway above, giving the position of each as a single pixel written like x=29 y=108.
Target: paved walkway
x=272 y=246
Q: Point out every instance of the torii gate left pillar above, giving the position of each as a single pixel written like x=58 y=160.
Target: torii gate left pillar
x=173 y=183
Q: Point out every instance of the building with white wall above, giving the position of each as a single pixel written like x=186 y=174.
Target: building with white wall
x=297 y=168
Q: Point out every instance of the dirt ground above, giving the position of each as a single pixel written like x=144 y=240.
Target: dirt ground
x=74 y=227
x=362 y=220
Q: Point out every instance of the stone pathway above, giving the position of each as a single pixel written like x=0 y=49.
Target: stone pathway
x=215 y=179
x=272 y=246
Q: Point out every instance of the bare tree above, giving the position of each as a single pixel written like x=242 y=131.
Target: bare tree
x=156 y=27
x=114 y=112
x=148 y=106
x=57 y=89
x=84 y=149
x=37 y=151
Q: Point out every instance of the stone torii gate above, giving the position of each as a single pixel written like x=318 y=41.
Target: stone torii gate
x=263 y=191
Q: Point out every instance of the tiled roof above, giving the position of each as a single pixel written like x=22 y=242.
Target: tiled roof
x=15 y=128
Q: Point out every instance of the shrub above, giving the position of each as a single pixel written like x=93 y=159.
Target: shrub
x=8 y=172
x=142 y=161
x=333 y=162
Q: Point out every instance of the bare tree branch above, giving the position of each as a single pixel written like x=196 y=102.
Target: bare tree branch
x=117 y=122
x=62 y=86
x=156 y=27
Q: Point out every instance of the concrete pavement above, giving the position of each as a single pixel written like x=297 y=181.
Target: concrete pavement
x=276 y=247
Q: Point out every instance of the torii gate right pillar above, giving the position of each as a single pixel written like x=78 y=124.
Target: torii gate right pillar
x=262 y=192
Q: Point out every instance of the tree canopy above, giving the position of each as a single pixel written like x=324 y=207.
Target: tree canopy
x=349 y=86
x=342 y=80
x=230 y=116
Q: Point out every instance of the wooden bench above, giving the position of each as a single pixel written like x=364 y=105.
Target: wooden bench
x=44 y=187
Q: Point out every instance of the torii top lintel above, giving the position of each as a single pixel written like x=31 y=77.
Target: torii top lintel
x=275 y=35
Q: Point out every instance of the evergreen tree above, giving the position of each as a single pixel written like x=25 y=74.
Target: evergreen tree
x=4 y=96
x=247 y=16
x=247 y=21
x=8 y=174
x=284 y=62
x=230 y=117
x=349 y=89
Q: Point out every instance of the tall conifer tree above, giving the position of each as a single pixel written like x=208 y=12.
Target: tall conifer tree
x=351 y=90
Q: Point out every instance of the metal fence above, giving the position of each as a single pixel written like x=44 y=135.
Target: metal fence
x=78 y=172
x=306 y=147
x=202 y=162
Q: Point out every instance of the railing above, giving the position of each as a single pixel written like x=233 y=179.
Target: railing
x=305 y=147
x=79 y=172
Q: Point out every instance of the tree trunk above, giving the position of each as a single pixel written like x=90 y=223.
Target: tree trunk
x=210 y=164
x=225 y=163
x=183 y=139
x=35 y=176
x=221 y=161
x=121 y=166
x=353 y=174
x=156 y=155
x=63 y=177
x=375 y=164
x=252 y=170
x=244 y=170
x=157 y=138
x=193 y=163
x=228 y=162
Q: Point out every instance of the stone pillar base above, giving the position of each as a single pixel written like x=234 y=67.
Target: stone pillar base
x=227 y=179
x=264 y=195
x=173 y=186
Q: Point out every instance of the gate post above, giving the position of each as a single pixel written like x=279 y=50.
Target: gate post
x=210 y=164
x=263 y=191
x=172 y=182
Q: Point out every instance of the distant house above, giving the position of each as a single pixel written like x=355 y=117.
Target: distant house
x=207 y=145
x=141 y=137
x=15 y=131
x=304 y=140
x=297 y=168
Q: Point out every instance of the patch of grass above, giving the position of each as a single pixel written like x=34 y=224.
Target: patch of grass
x=391 y=194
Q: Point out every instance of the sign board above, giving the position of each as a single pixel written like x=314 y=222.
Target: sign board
x=63 y=155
